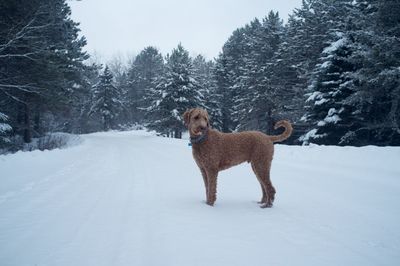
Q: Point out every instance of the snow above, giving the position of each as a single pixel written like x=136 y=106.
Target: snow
x=335 y=45
x=182 y=99
x=131 y=198
x=314 y=95
x=332 y=116
x=322 y=101
x=176 y=114
x=5 y=127
x=332 y=119
x=326 y=64
x=3 y=117
x=312 y=134
x=331 y=82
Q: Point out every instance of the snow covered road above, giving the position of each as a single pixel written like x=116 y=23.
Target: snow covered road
x=131 y=198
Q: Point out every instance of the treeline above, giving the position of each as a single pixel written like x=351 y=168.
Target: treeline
x=42 y=74
x=333 y=69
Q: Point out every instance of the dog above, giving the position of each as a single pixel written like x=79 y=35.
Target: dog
x=215 y=151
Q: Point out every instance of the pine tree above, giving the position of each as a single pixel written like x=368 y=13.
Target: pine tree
x=330 y=112
x=228 y=70
x=376 y=29
x=42 y=62
x=204 y=74
x=310 y=29
x=119 y=69
x=259 y=98
x=84 y=121
x=223 y=93
x=176 y=92
x=5 y=129
x=144 y=73
x=107 y=100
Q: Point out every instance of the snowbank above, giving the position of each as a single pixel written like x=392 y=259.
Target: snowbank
x=56 y=140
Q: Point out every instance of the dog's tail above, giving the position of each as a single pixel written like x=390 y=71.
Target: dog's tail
x=286 y=134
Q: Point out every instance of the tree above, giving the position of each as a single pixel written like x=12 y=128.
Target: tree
x=106 y=100
x=119 y=67
x=176 y=91
x=5 y=129
x=310 y=29
x=229 y=68
x=203 y=71
x=42 y=62
x=84 y=121
x=376 y=29
x=259 y=99
x=223 y=93
x=144 y=73
x=331 y=114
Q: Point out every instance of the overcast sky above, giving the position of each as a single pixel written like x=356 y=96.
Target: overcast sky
x=202 y=26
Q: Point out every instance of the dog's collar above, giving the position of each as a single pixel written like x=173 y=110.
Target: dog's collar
x=199 y=139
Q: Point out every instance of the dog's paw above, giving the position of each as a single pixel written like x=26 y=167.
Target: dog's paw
x=266 y=205
x=209 y=203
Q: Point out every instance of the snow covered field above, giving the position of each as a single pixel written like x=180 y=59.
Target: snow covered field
x=131 y=198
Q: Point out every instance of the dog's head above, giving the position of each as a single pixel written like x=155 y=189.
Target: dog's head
x=196 y=120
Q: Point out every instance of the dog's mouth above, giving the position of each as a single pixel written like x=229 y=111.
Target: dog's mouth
x=199 y=131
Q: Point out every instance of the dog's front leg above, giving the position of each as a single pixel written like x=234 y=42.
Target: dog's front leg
x=212 y=175
x=204 y=174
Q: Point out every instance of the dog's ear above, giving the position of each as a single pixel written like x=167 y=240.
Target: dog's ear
x=186 y=117
x=207 y=117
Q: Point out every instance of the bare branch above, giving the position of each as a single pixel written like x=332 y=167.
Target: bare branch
x=12 y=97
x=29 y=27
x=25 y=88
x=26 y=55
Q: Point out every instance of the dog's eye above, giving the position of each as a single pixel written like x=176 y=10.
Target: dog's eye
x=196 y=117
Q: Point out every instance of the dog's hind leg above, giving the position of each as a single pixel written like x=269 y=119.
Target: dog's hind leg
x=264 y=194
x=262 y=171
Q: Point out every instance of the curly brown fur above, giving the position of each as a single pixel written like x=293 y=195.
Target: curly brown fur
x=220 y=151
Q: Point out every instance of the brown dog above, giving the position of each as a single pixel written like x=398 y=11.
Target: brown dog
x=214 y=151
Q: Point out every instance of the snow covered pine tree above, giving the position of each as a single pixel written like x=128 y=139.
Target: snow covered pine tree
x=107 y=101
x=329 y=111
x=176 y=92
